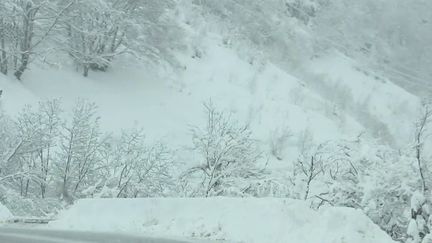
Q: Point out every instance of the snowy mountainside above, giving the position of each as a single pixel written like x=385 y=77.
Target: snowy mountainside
x=267 y=101
x=384 y=108
x=330 y=99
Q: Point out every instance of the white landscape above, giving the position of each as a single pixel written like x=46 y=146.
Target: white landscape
x=276 y=121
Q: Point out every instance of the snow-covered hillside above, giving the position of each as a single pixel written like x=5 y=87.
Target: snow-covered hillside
x=195 y=99
x=331 y=99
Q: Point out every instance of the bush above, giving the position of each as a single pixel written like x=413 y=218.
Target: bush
x=228 y=155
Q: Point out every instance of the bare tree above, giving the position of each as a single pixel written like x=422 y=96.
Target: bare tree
x=326 y=163
x=50 y=122
x=127 y=153
x=25 y=155
x=154 y=172
x=420 y=136
x=24 y=25
x=97 y=32
x=229 y=154
x=79 y=143
x=132 y=168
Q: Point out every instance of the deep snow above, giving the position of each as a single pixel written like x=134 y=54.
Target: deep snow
x=331 y=98
x=5 y=214
x=248 y=220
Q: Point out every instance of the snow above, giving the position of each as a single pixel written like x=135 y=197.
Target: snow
x=302 y=92
x=167 y=102
x=384 y=102
x=417 y=201
x=15 y=95
x=270 y=99
x=262 y=95
x=5 y=214
x=251 y=220
x=332 y=99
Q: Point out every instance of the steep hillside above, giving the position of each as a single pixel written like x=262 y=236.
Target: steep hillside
x=331 y=99
x=326 y=130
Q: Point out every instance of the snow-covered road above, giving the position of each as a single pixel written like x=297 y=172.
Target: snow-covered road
x=24 y=235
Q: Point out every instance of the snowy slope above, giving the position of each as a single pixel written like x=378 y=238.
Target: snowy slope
x=15 y=96
x=231 y=219
x=378 y=104
x=262 y=95
x=330 y=99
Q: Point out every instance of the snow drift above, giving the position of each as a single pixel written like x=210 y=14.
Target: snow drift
x=5 y=214
x=250 y=220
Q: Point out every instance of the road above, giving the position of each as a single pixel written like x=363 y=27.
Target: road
x=24 y=235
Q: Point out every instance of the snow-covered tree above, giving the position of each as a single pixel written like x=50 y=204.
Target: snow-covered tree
x=96 y=32
x=228 y=155
x=132 y=168
x=50 y=122
x=24 y=26
x=8 y=145
x=418 y=226
x=80 y=141
x=421 y=135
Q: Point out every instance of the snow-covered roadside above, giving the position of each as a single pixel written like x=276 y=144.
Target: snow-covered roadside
x=250 y=220
x=5 y=214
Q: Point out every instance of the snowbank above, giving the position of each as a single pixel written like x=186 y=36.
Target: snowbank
x=5 y=214
x=249 y=220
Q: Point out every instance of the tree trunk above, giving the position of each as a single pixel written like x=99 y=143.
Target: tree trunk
x=24 y=63
x=3 y=56
x=27 y=187
x=86 y=70
x=3 y=60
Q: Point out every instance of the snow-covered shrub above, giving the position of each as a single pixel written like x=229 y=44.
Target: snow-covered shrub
x=303 y=10
x=419 y=224
x=385 y=202
x=130 y=167
x=281 y=37
x=29 y=207
x=278 y=142
x=43 y=154
x=319 y=167
x=270 y=187
x=373 y=178
x=228 y=155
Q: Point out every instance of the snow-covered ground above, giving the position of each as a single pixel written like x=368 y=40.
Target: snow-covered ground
x=5 y=214
x=247 y=220
x=330 y=99
x=295 y=91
